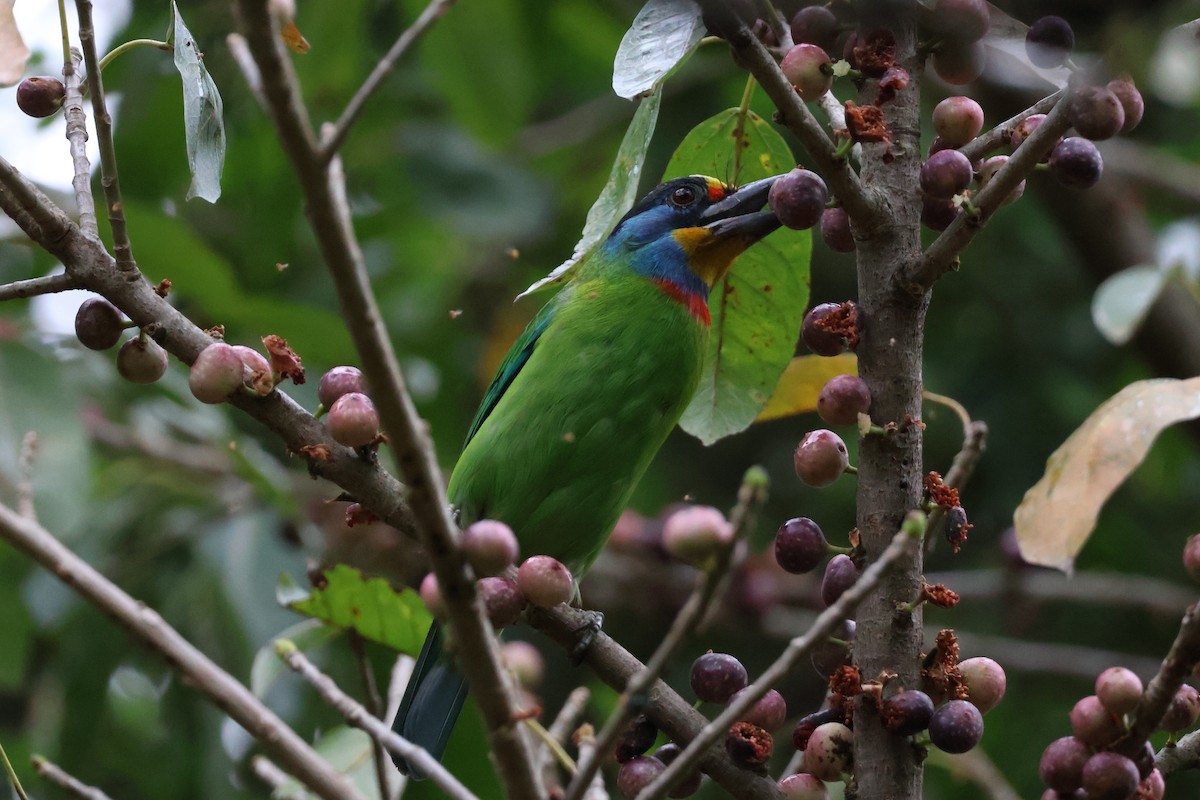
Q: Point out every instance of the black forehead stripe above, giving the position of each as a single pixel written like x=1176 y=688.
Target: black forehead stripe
x=660 y=193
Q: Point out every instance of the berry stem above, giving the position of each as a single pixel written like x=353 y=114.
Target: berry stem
x=125 y=47
x=556 y=749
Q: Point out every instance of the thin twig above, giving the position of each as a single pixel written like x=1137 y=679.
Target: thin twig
x=122 y=249
x=560 y=729
x=943 y=253
x=270 y=774
x=357 y=716
x=332 y=141
x=586 y=742
x=328 y=213
x=374 y=706
x=36 y=215
x=198 y=670
x=751 y=496
x=64 y=780
x=31 y=287
x=1181 y=659
x=842 y=180
x=985 y=143
x=77 y=136
x=902 y=546
x=18 y=789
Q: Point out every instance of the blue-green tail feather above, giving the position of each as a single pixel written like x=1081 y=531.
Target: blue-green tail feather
x=432 y=701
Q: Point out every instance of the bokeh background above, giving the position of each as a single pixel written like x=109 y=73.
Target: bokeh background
x=470 y=174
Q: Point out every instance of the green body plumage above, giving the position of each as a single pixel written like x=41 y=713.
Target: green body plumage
x=588 y=393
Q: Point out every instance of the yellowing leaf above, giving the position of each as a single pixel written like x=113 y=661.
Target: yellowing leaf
x=802 y=381
x=294 y=39
x=13 y=52
x=1059 y=513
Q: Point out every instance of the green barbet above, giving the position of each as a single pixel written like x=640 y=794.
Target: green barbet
x=587 y=395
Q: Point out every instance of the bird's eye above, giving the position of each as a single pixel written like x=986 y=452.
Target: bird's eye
x=683 y=196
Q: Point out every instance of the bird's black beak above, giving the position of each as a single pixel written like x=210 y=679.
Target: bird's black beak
x=740 y=215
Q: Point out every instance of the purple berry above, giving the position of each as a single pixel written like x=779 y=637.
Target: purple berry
x=717 y=676
x=339 y=381
x=957 y=120
x=216 y=373
x=636 y=739
x=800 y=545
x=545 y=581
x=960 y=20
x=803 y=786
x=906 y=713
x=141 y=360
x=1191 y=556
x=1093 y=724
x=687 y=786
x=820 y=458
x=41 y=96
x=696 y=535
x=1182 y=711
x=836 y=231
x=1022 y=130
x=1131 y=101
x=1076 y=163
x=769 y=713
x=524 y=661
x=1096 y=113
x=502 y=599
x=1062 y=763
x=956 y=727
x=807 y=67
x=842 y=399
x=636 y=774
x=1119 y=689
x=958 y=64
x=431 y=596
x=798 y=198
x=353 y=420
x=98 y=324
x=810 y=722
x=830 y=751
x=988 y=170
x=840 y=575
x=1049 y=42
x=937 y=214
x=821 y=341
x=815 y=25
x=985 y=681
x=490 y=547
x=1109 y=776
x=945 y=174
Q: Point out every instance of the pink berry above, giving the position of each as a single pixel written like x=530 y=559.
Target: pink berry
x=636 y=774
x=1109 y=776
x=1152 y=787
x=1191 y=556
x=545 y=581
x=490 y=546
x=830 y=751
x=807 y=67
x=259 y=376
x=431 y=596
x=988 y=170
x=524 y=661
x=842 y=399
x=696 y=534
x=353 y=420
x=1182 y=711
x=1119 y=690
x=1096 y=113
x=820 y=458
x=216 y=373
x=141 y=360
x=1061 y=767
x=1094 y=724
x=957 y=120
x=803 y=786
x=339 y=381
x=985 y=681
x=502 y=599
x=769 y=713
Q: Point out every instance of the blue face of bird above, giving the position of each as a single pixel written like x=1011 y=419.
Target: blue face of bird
x=695 y=223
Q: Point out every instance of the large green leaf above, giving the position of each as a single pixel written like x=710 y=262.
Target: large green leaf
x=368 y=605
x=663 y=35
x=204 y=128
x=757 y=310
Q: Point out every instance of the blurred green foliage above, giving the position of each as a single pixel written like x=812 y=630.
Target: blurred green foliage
x=470 y=175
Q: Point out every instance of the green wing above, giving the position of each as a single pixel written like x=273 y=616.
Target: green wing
x=515 y=359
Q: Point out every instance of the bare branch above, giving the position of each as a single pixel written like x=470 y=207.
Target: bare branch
x=198 y=670
x=122 y=248
x=985 y=143
x=1181 y=659
x=64 y=780
x=270 y=774
x=49 y=284
x=332 y=141
x=359 y=717
x=1184 y=754
x=77 y=136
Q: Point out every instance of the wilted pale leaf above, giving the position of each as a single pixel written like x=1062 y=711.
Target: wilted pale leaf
x=203 y=127
x=368 y=605
x=802 y=381
x=1123 y=300
x=617 y=196
x=1059 y=513
x=757 y=311
x=13 y=52
x=663 y=34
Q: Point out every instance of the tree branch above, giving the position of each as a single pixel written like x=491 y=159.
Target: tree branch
x=198 y=670
x=1181 y=659
x=77 y=137
x=985 y=143
x=66 y=781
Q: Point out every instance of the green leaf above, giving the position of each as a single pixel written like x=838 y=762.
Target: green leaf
x=368 y=605
x=618 y=194
x=204 y=129
x=1124 y=299
x=758 y=309
x=266 y=668
x=662 y=36
x=1058 y=514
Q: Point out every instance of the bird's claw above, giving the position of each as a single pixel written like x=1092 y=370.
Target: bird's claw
x=593 y=622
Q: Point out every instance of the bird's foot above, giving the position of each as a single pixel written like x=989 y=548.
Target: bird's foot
x=593 y=622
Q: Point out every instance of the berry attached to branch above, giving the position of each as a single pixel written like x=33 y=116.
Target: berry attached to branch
x=41 y=96
x=98 y=324
x=820 y=458
x=798 y=198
